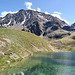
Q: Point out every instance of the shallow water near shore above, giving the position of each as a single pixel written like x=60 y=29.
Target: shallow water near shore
x=57 y=63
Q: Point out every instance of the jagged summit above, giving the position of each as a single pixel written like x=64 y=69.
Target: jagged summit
x=32 y=21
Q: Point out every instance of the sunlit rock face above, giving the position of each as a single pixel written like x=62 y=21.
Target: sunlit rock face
x=35 y=22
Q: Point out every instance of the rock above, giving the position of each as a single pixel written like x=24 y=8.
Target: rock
x=8 y=62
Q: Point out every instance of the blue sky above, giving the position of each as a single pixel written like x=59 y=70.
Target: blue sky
x=63 y=9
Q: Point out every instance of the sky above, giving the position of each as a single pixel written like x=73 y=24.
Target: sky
x=63 y=9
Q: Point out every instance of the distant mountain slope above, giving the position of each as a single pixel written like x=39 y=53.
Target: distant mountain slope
x=73 y=26
x=70 y=28
x=66 y=44
x=32 y=21
x=16 y=45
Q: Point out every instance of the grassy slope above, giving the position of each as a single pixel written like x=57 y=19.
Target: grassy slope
x=24 y=42
x=65 y=44
x=15 y=45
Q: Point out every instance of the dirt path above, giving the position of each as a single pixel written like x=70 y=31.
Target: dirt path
x=30 y=52
x=53 y=48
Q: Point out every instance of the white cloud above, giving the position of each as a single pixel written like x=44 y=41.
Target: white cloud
x=47 y=13
x=57 y=14
x=28 y=5
x=66 y=21
x=38 y=9
x=33 y=9
x=5 y=13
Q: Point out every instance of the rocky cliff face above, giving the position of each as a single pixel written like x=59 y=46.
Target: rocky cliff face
x=32 y=21
x=73 y=26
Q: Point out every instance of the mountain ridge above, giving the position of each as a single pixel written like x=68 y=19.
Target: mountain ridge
x=35 y=22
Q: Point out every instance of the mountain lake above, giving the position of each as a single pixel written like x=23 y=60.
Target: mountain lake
x=57 y=63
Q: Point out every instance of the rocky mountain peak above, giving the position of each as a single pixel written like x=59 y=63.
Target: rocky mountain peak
x=32 y=21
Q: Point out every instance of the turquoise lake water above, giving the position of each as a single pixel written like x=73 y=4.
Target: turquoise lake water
x=60 y=63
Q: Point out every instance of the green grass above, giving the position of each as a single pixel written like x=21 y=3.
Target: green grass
x=19 y=66
x=23 y=44
x=36 y=66
x=65 y=44
x=18 y=45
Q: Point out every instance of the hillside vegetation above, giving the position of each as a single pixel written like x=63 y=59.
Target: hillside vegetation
x=16 y=45
x=67 y=43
